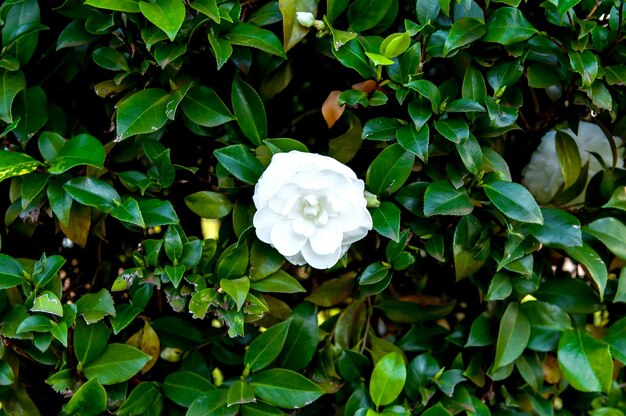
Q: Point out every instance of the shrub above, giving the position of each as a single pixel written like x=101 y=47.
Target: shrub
x=133 y=279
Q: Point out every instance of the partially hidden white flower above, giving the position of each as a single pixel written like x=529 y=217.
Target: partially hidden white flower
x=310 y=208
x=543 y=176
x=306 y=19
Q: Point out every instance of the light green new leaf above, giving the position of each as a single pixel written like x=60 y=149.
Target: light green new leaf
x=118 y=363
x=167 y=15
x=514 y=201
x=48 y=302
x=388 y=378
x=249 y=111
x=266 y=347
x=209 y=204
x=513 y=336
x=285 y=388
x=142 y=112
x=585 y=361
x=237 y=289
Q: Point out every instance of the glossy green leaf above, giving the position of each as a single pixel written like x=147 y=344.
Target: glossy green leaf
x=118 y=363
x=245 y=34
x=237 y=289
x=302 y=338
x=11 y=83
x=285 y=388
x=569 y=158
x=585 y=64
x=463 y=32
x=15 y=164
x=167 y=15
x=93 y=192
x=386 y=220
x=513 y=336
x=593 y=262
x=212 y=403
x=208 y=8
x=278 y=282
x=611 y=232
x=441 y=198
x=90 y=340
x=48 y=302
x=507 y=25
x=266 y=347
x=249 y=111
x=455 y=130
x=156 y=212
x=240 y=162
x=390 y=170
x=129 y=212
x=144 y=399
x=388 y=379
x=585 y=361
x=183 y=387
x=365 y=14
x=89 y=400
x=381 y=128
x=560 y=229
x=129 y=6
x=615 y=337
x=428 y=90
x=83 y=149
x=142 y=112
x=209 y=204
x=514 y=201
x=203 y=106
x=414 y=141
x=471 y=154
x=95 y=306
x=240 y=393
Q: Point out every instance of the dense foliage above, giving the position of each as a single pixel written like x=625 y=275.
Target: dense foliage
x=133 y=132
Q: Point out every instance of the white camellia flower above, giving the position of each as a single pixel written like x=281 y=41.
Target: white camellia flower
x=310 y=208
x=543 y=176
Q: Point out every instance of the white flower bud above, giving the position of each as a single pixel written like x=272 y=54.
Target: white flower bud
x=310 y=208
x=306 y=19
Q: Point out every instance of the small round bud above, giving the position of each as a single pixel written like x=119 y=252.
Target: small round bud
x=372 y=200
x=306 y=19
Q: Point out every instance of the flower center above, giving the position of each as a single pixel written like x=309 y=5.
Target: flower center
x=313 y=209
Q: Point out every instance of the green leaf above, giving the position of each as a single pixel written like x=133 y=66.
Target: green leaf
x=514 y=201
x=513 y=336
x=441 y=198
x=278 y=282
x=183 y=387
x=118 y=363
x=208 y=8
x=48 y=302
x=293 y=31
x=469 y=251
x=378 y=59
x=237 y=289
x=436 y=410
x=90 y=340
x=351 y=55
x=142 y=112
x=285 y=388
x=125 y=314
x=615 y=75
x=144 y=399
x=233 y=262
x=46 y=269
x=246 y=34
x=386 y=220
x=500 y=287
x=586 y=64
x=11 y=83
x=175 y=273
x=302 y=338
x=156 y=212
x=560 y=229
x=585 y=361
x=83 y=149
x=95 y=306
x=381 y=128
x=388 y=379
x=428 y=90
x=109 y=58
x=593 y=262
x=34 y=323
x=395 y=44
x=205 y=108
x=616 y=338
x=569 y=158
x=89 y=400
x=611 y=232
x=463 y=32
x=129 y=212
x=507 y=25
x=240 y=393
x=266 y=347
x=93 y=192
x=15 y=164
x=128 y=6
x=221 y=48
x=212 y=403
x=167 y=15
x=365 y=14
x=390 y=170
x=240 y=162
x=249 y=111
x=414 y=141
x=209 y=204
x=74 y=35
x=471 y=154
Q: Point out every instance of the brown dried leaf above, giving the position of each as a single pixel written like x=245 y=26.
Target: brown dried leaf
x=331 y=109
x=77 y=229
x=366 y=86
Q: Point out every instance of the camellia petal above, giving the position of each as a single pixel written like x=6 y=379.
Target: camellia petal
x=310 y=208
